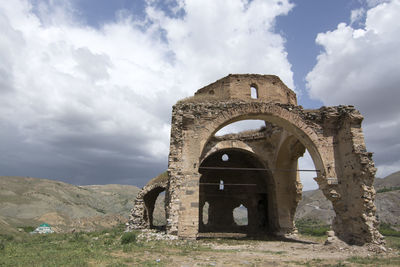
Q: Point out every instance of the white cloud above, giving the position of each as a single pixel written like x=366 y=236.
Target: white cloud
x=361 y=67
x=357 y=15
x=104 y=95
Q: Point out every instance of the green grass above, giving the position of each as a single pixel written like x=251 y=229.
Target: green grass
x=393 y=242
x=50 y=250
x=77 y=249
x=27 y=229
x=312 y=227
x=114 y=247
x=387 y=230
x=388 y=189
x=110 y=247
x=375 y=261
x=129 y=237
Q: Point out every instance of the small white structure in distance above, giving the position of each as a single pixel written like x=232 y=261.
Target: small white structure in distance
x=44 y=228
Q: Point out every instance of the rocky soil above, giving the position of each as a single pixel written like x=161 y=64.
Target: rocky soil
x=299 y=251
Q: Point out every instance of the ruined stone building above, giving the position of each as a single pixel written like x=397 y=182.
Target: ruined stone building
x=258 y=169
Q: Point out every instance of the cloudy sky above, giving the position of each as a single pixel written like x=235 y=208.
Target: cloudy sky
x=86 y=86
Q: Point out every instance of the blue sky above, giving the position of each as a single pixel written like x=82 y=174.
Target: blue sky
x=87 y=85
x=300 y=28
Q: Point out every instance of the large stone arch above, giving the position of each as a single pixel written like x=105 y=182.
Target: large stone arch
x=237 y=144
x=142 y=213
x=319 y=131
x=332 y=135
x=299 y=130
x=285 y=118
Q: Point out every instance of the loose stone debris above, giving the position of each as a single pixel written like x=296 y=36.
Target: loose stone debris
x=154 y=235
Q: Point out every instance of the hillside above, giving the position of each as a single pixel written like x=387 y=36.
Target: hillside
x=30 y=201
x=390 y=181
x=315 y=206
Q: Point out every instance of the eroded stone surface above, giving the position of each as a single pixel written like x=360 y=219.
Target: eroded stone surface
x=266 y=183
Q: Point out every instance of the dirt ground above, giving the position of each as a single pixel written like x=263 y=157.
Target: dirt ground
x=222 y=252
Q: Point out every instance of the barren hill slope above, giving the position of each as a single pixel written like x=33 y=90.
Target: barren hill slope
x=29 y=201
x=315 y=206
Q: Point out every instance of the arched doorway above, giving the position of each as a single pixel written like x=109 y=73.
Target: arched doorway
x=145 y=204
x=150 y=203
x=231 y=178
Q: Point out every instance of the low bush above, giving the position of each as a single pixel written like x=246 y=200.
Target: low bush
x=128 y=237
x=312 y=227
x=388 y=189
x=28 y=229
x=387 y=230
x=6 y=237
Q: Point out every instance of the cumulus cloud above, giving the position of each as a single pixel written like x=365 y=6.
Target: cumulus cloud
x=357 y=15
x=92 y=105
x=361 y=67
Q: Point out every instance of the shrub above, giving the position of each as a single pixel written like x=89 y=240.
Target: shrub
x=128 y=237
x=28 y=229
x=108 y=242
x=6 y=237
x=388 y=189
x=387 y=230
x=78 y=237
x=312 y=227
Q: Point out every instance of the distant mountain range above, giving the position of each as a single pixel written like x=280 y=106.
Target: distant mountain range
x=32 y=201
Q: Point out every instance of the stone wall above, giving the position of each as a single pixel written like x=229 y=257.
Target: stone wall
x=320 y=131
x=332 y=135
x=269 y=88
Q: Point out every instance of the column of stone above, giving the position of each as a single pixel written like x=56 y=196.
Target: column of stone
x=355 y=221
x=174 y=171
x=137 y=216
